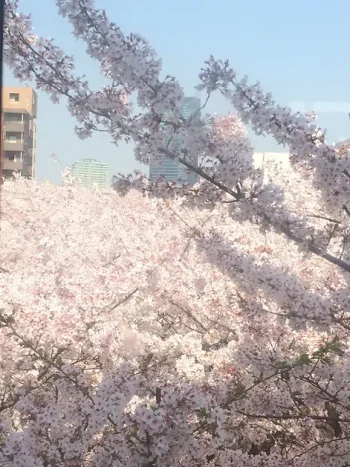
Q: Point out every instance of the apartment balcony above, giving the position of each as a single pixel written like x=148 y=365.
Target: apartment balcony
x=12 y=165
x=16 y=127
x=13 y=146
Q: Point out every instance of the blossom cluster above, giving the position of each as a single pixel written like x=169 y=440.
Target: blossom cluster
x=136 y=330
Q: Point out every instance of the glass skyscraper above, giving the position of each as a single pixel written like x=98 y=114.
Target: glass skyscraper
x=171 y=170
x=191 y=106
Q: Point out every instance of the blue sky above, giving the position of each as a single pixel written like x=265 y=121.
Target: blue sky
x=298 y=50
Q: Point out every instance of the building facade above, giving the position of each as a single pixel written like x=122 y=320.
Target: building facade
x=262 y=158
x=91 y=173
x=19 y=131
x=171 y=170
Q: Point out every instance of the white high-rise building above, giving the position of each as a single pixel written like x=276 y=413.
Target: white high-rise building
x=261 y=158
x=91 y=173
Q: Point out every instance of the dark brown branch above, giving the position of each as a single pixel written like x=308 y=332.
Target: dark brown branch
x=335 y=221
x=313 y=248
x=294 y=417
x=190 y=315
x=123 y=300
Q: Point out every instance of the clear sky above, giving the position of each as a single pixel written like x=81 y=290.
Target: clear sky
x=298 y=50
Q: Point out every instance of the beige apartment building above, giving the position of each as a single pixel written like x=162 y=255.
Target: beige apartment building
x=19 y=115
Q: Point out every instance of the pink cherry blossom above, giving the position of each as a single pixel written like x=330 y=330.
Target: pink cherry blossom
x=166 y=325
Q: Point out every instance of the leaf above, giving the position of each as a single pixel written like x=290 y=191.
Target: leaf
x=304 y=359
x=239 y=389
x=326 y=360
x=282 y=365
x=201 y=413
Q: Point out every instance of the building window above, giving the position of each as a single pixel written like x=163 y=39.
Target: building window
x=12 y=155
x=13 y=137
x=14 y=97
x=11 y=117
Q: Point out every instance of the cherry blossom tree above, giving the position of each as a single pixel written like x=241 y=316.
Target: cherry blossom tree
x=136 y=331
x=173 y=325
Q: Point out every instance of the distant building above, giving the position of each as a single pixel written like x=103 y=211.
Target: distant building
x=172 y=170
x=91 y=173
x=261 y=158
x=19 y=113
x=190 y=106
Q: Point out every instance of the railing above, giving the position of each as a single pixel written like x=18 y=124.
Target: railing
x=12 y=165
x=11 y=126
x=16 y=146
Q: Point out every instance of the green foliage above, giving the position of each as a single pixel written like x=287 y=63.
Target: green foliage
x=324 y=354
x=201 y=413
